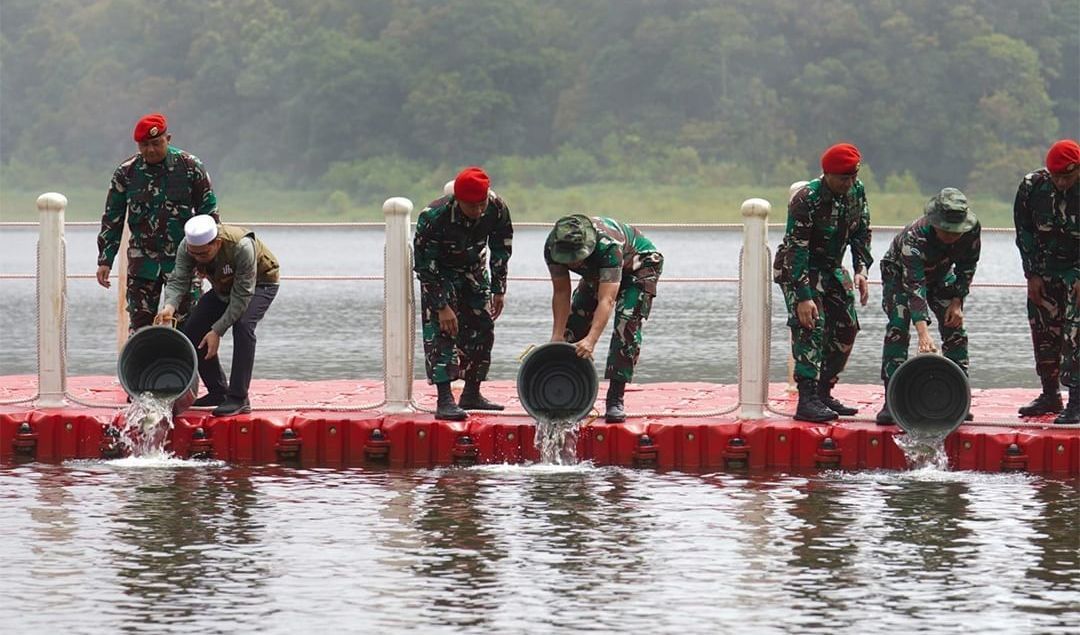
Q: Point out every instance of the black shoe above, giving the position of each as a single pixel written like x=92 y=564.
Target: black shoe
x=615 y=412
x=232 y=407
x=1071 y=413
x=969 y=416
x=209 y=399
x=831 y=403
x=477 y=402
x=810 y=407
x=450 y=412
x=1044 y=404
x=884 y=416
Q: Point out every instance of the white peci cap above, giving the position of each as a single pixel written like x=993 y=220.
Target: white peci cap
x=200 y=230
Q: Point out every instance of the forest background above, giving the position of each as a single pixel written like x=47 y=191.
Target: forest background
x=647 y=110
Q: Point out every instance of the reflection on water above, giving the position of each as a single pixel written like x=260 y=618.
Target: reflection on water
x=183 y=547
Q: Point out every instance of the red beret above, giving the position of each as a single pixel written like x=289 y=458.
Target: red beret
x=1063 y=156
x=842 y=158
x=150 y=126
x=471 y=185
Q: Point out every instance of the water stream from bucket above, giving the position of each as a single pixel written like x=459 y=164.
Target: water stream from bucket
x=556 y=439
x=147 y=422
x=924 y=451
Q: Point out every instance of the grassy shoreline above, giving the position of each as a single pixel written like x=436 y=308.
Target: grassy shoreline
x=628 y=202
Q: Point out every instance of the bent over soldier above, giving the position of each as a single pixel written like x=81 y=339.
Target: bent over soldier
x=929 y=268
x=824 y=217
x=1047 y=218
x=157 y=190
x=457 y=237
x=619 y=269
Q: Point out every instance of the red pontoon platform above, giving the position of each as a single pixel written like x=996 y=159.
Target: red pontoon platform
x=316 y=423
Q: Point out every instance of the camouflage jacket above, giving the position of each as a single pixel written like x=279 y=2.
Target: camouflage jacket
x=156 y=200
x=618 y=252
x=918 y=260
x=450 y=248
x=820 y=226
x=1048 y=227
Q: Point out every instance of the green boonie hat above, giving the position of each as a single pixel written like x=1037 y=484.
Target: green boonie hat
x=573 y=239
x=949 y=211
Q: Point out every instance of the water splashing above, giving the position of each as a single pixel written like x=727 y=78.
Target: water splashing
x=147 y=422
x=924 y=451
x=556 y=439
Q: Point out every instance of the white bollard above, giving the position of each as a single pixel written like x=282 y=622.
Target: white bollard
x=398 y=311
x=755 y=321
x=123 y=320
x=791 y=388
x=51 y=300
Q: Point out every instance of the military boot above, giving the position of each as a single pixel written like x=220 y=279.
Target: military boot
x=446 y=409
x=614 y=402
x=471 y=399
x=810 y=407
x=1071 y=413
x=1046 y=403
x=884 y=416
x=825 y=387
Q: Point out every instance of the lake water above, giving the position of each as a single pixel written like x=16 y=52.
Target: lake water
x=331 y=329
x=160 y=546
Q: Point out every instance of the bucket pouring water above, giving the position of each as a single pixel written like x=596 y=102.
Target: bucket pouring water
x=160 y=360
x=929 y=396
x=554 y=384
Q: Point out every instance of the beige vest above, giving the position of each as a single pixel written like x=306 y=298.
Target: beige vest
x=220 y=271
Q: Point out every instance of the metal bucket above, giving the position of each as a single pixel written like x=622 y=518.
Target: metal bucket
x=929 y=395
x=161 y=360
x=554 y=384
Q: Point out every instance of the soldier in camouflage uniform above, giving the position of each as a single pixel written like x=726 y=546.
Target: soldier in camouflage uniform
x=1047 y=217
x=157 y=191
x=824 y=217
x=458 y=300
x=929 y=267
x=619 y=269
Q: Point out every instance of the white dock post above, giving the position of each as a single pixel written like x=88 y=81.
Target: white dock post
x=123 y=320
x=755 y=321
x=398 y=312
x=51 y=300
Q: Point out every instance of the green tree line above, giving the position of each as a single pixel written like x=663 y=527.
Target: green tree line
x=365 y=97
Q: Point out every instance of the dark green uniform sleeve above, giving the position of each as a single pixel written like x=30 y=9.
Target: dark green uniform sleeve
x=800 y=228
x=1025 y=228
x=426 y=263
x=500 y=246
x=112 y=221
x=912 y=258
x=965 y=263
x=203 y=198
x=861 y=258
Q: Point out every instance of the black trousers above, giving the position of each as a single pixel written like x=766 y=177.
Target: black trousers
x=206 y=312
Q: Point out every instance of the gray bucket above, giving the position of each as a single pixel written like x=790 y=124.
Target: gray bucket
x=161 y=360
x=929 y=396
x=554 y=384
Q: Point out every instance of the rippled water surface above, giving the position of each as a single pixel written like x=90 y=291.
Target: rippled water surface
x=187 y=547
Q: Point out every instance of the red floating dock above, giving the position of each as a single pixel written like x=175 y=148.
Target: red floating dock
x=311 y=424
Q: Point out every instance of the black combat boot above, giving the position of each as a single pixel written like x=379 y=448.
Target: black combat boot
x=471 y=399
x=810 y=407
x=824 y=392
x=1071 y=413
x=614 y=402
x=884 y=416
x=1046 y=403
x=445 y=408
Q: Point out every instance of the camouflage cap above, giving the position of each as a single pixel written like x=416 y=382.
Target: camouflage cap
x=949 y=211
x=573 y=239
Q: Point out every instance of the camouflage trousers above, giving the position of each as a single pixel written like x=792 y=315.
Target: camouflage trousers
x=1055 y=333
x=821 y=352
x=632 y=307
x=468 y=355
x=894 y=301
x=144 y=296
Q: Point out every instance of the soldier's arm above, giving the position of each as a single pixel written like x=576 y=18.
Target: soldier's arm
x=861 y=258
x=964 y=266
x=800 y=228
x=179 y=284
x=112 y=221
x=1025 y=227
x=203 y=198
x=560 y=300
x=426 y=263
x=244 y=278
x=913 y=278
x=500 y=245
